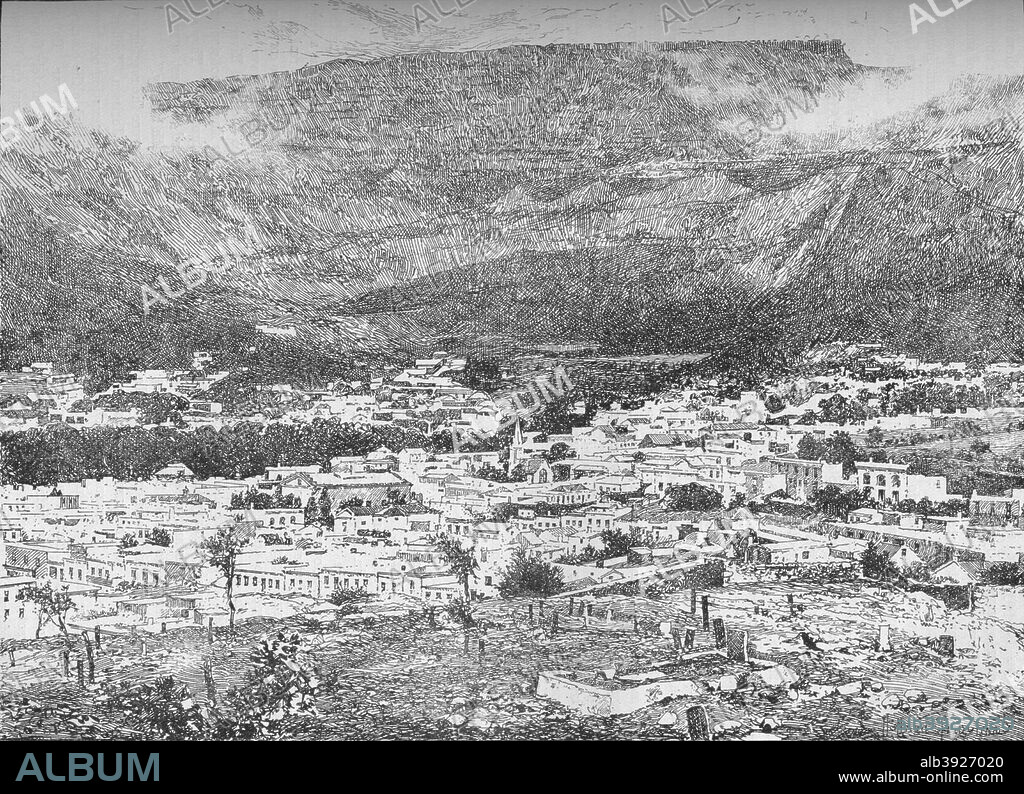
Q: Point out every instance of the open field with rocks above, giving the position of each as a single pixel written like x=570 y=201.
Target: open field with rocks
x=388 y=673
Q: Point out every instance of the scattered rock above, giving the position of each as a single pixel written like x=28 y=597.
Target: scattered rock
x=776 y=676
x=892 y=701
x=769 y=724
x=914 y=695
x=853 y=688
x=728 y=683
x=877 y=686
x=457 y=720
x=668 y=718
x=728 y=726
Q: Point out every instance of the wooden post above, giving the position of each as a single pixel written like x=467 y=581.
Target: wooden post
x=10 y=652
x=583 y=608
x=81 y=672
x=698 y=723
x=145 y=648
x=586 y=619
x=89 y=654
x=608 y=615
x=704 y=611
x=636 y=624
x=480 y=645
x=676 y=642
x=96 y=634
x=792 y=605
x=554 y=622
x=65 y=656
x=572 y=603
x=691 y=635
x=163 y=628
x=211 y=687
x=531 y=613
x=693 y=602
x=541 y=611
x=209 y=631
x=883 y=637
x=719 y=633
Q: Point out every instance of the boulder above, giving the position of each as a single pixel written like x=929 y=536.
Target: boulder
x=756 y=736
x=853 y=688
x=728 y=683
x=668 y=718
x=914 y=695
x=728 y=726
x=776 y=676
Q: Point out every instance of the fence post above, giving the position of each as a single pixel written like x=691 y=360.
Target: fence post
x=554 y=622
x=81 y=672
x=163 y=628
x=792 y=605
x=89 y=654
x=480 y=644
x=719 y=633
x=698 y=723
x=572 y=603
x=66 y=659
x=96 y=634
x=209 y=631
x=693 y=601
x=704 y=611
x=211 y=687
x=531 y=613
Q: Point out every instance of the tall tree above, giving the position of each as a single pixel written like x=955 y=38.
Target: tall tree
x=221 y=552
x=52 y=606
x=461 y=561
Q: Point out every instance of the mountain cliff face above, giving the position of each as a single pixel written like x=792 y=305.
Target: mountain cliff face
x=649 y=198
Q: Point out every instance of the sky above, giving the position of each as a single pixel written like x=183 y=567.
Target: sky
x=105 y=51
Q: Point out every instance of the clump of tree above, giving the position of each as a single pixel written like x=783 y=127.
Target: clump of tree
x=875 y=564
x=164 y=709
x=277 y=698
x=1004 y=573
x=837 y=448
x=530 y=577
x=52 y=606
x=837 y=502
x=461 y=562
x=496 y=474
x=692 y=497
x=128 y=542
x=349 y=601
x=319 y=510
x=159 y=536
x=255 y=499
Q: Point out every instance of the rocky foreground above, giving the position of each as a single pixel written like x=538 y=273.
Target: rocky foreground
x=390 y=672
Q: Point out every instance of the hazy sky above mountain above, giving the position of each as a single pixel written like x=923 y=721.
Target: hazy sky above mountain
x=107 y=51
